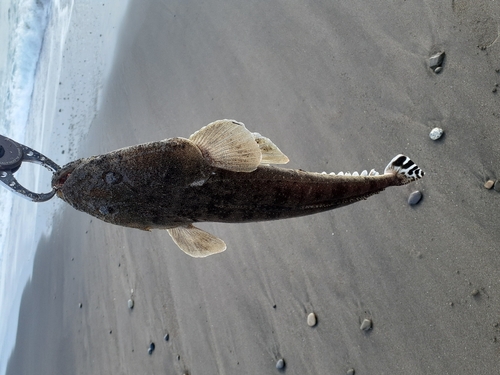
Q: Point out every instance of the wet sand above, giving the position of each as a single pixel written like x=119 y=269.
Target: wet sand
x=336 y=87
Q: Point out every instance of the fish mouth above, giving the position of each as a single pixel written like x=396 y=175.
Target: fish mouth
x=62 y=175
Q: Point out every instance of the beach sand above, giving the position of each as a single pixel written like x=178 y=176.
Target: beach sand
x=337 y=87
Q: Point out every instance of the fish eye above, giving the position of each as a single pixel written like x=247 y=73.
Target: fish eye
x=106 y=210
x=112 y=178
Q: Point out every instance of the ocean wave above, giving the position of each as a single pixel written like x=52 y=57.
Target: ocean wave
x=28 y=23
x=27 y=20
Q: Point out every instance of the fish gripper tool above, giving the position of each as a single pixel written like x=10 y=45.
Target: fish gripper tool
x=12 y=155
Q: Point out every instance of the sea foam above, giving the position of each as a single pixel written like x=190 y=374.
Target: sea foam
x=27 y=21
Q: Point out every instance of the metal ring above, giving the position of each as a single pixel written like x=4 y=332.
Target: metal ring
x=10 y=181
x=13 y=155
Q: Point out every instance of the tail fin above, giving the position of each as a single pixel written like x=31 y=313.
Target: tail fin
x=403 y=167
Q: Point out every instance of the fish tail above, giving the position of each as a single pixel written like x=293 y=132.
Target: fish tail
x=404 y=168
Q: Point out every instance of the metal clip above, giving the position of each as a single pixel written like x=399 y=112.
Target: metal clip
x=12 y=155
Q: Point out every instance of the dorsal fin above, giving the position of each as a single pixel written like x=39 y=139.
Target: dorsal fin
x=196 y=242
x=227 y=144
x=271 y=154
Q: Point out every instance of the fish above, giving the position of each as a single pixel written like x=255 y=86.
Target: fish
x=221 y=173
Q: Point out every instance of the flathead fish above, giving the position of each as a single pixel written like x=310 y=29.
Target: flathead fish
x=220 y=174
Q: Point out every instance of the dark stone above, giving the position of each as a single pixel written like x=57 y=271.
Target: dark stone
x=366 y=325
x=151 y=348
x=436 y=61
x=414 y=198
x=280 y=364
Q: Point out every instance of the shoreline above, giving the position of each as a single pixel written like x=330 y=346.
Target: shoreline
x=62 y=106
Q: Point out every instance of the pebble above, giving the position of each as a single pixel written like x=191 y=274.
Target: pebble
x=366 y=325
x=311 y=320
x=489 y=184
x=80 y=305
x=351 y=371
x=130 y=303
x=151 y=348
x=166 y=337
x=475 y=293
x=436 y=61
x=280 y=364
x=496 y=186
x=436 y=133
x=414 y=198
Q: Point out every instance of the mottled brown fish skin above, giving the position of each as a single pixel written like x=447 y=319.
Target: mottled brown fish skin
x=169 y=184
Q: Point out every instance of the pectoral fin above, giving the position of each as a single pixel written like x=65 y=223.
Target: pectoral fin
x=196 y=242
x=271 y=154
x=227 y=144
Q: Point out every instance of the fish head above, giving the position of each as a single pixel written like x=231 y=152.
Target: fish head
x=100 y=187
x=134 y=186
x=81 y=183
